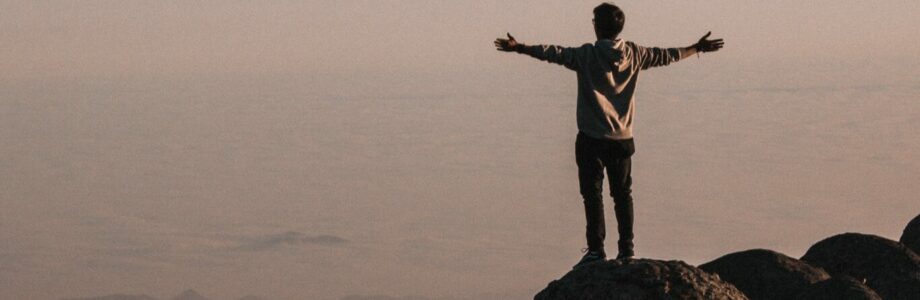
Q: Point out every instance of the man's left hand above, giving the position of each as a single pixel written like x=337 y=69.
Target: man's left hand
x=705 y=45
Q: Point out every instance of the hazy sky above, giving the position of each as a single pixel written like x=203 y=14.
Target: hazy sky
x=124 y=38
x=320 y=149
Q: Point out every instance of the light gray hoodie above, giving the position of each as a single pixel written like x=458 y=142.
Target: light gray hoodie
x=607 y=73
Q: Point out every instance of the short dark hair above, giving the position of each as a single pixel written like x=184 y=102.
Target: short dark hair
x=609 y=20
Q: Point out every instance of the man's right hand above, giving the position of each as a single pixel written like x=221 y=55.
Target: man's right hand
x=507 y=45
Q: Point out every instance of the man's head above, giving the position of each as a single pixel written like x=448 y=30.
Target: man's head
x=608 y=21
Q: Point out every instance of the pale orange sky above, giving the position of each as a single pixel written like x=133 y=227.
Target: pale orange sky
x=119 y=38
x=319 y=149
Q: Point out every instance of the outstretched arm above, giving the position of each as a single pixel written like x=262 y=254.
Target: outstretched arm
x=703 y=45
x=549 y=53
x=658 y=57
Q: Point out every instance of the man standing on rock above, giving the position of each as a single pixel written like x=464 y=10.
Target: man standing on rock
x=607 y=72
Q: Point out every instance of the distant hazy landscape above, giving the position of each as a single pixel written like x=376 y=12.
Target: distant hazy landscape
x=242 y=149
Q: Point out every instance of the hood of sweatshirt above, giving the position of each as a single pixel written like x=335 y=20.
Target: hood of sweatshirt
x=610 y=51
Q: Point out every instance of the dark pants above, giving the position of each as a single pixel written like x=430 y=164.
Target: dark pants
x=593 y=156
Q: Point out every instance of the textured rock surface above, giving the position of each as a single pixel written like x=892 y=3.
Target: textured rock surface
x=765 y=274
x=911 y=235
x=638 y=280
x=889 y=267
x=843 y=288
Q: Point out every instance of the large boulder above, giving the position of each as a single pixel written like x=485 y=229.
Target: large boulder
x=839 y=288
x=765 y=274
x=911 y=235
x=888 y=267
x=639 y=280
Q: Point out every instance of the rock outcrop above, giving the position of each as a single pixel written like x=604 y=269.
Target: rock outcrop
x=911 y=235
x=840 y=288
x=765 y=274
x=889 y=267
x=637 y=280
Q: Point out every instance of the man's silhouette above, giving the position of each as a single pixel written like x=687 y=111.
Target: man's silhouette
x=607 y=72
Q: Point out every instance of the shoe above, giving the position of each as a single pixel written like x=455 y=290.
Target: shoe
x=590 y=257
x=626 y=255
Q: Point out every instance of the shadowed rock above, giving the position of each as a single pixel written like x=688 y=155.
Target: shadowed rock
x=765 y=274
x=841 y=288
x=911 y=235
x=638 y=280
x=888 y=267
